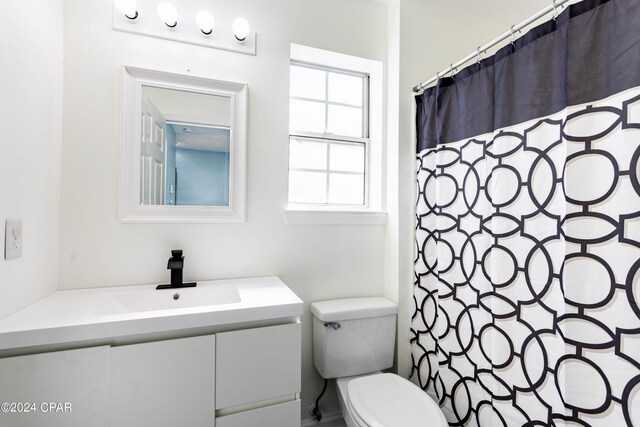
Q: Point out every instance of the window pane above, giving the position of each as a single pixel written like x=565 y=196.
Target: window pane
x=346 y=189
x=346 y=157
x=308 y=83
x=306 y=116
x=307 y=154
x=307 y=187
x=345 y=89
x=345 y=121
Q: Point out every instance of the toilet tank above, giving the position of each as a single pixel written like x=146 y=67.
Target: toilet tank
x=353 y=336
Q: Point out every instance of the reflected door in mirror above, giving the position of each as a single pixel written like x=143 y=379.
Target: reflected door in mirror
x=185 y=148
x=152 y=156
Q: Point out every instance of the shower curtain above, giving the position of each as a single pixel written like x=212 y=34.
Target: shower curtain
x=527 y=257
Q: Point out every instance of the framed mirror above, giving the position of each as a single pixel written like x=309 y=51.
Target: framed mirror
x=183 y=148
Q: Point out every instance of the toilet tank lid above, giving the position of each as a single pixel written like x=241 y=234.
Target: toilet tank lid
x=353 y=308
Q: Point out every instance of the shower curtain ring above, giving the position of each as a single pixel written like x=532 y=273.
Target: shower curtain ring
x=479 y=56
x=513 y=34
x=555 y=11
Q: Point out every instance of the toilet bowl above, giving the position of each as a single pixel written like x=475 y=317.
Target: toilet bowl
x=353 y=340
x=386 y=400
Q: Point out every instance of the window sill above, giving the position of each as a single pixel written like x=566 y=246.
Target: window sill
x=333 y=217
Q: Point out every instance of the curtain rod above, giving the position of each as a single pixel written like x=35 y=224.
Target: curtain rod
x=483 y=49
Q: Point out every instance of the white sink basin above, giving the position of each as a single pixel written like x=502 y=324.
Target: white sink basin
x=102 y=315
x=166 y=299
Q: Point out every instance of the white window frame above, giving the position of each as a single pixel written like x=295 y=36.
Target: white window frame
x=372 y=212
x=326 y=102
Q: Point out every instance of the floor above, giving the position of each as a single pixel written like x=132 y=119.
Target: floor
x=335 y=423
x=329 y=421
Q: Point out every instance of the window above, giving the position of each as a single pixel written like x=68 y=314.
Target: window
x=335 y=128
x=328 y=125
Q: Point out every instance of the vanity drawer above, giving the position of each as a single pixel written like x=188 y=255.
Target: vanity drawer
x=258 y=364
x=281 y=415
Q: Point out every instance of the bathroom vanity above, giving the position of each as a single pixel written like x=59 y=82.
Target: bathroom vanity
x=224 y=354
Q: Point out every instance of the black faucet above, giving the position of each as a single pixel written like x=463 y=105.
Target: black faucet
x=176 y=264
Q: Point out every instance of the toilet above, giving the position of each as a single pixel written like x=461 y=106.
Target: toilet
x=353 y=341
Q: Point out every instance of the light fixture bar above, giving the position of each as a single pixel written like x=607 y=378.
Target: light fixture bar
x=186 y=29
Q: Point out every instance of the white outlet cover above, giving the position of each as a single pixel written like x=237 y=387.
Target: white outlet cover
x=13 y=239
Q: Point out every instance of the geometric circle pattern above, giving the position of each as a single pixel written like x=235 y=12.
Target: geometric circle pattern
x=527 y=271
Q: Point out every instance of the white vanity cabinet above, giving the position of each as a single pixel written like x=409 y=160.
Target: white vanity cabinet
x=239 y=378
x=59 y=389
x=130 y=356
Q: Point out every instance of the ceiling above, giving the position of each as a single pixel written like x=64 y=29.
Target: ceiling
x=201 y=138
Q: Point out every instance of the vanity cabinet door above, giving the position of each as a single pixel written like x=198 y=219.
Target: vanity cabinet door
x=163 y=383
x=58 y=389
x=257 y=365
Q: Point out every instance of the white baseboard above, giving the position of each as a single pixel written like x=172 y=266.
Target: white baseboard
x=329 y=420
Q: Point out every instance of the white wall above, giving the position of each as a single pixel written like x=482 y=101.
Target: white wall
x=317 y=262
x=429 y=36
x=30 y=119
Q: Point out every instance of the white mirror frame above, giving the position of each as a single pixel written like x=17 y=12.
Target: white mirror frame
x=130 y=208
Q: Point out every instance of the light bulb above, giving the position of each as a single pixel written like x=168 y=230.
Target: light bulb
x=240 y=29
x=128 y=8
x=205 y=21
x=168 y=14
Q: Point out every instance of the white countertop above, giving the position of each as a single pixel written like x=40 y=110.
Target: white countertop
x=95 y=314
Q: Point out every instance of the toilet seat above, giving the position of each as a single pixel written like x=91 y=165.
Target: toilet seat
x=387 y=400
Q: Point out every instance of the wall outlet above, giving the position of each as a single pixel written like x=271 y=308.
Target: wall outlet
x=13 y=239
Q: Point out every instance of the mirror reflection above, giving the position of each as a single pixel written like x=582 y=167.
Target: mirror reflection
x=185 y=148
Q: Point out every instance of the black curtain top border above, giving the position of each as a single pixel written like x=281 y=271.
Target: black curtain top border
x=530 y=36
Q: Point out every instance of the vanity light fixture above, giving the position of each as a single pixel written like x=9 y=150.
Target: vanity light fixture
x=159 y=18
x=205 y=21
x=128 y=8
x=240 y=29
x=168 y=13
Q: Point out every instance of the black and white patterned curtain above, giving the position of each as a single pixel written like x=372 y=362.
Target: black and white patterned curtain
x=527 y=267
